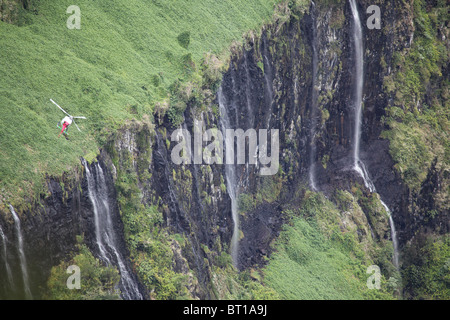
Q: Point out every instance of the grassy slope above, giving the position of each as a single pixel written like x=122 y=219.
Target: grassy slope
x=104 y=71
x=316 y=260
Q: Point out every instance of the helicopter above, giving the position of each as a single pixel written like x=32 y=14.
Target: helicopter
x=66 y=121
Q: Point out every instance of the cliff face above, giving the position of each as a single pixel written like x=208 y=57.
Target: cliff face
x=297 y=77
x=50 y=229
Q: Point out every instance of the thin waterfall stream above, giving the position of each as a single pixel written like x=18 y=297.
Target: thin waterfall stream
x=358 y=165
x=22 y=258
x=230 y=176
x=5 y=258
x=314 y=106
x=106 y=237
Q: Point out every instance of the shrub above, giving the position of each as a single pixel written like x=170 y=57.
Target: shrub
x=184 y=39
x=98 y=282
x=245 y=202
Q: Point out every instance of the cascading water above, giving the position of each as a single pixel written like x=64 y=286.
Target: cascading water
x=104 y=231
x=358 y=165
x=393 y=235
x=5 y=258
x=230 y=176
x=247 y=91
x=358 y=86
x=269 y=85
x=22 y=259
x=314 y=99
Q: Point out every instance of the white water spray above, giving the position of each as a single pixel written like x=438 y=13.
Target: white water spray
x=5 y=258
x=358 y=88
x=358 y=165
x=393 y=235
x=314 y=100
x=104 y=230
x=22 y=259
x=230 y=177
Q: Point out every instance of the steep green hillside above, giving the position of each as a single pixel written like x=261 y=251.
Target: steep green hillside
x=127 y=57
x=320 y=255
x=418 y=120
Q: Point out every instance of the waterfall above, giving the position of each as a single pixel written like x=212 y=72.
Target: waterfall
x=393 y=235
x=105 y=235
x=358 y=165
x=314 y=99
x=269 y=84
x=22 y=259
x=357 y=96
x=230 y=176
x=5 y=258
x=247 y=91
x=358 y=87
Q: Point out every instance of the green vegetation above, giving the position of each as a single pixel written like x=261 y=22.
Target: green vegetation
x=128 y=60
x=151 y=246
x=152 y=251
x=229 y=284
x=315 y=259
x=184 y=39
x=419 y=121
x=97 y=281
x=418 y=131
x=428 y=273
x=269 y=189
x=246 y=203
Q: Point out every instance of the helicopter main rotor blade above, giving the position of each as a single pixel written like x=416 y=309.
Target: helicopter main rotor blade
x=76 y=126
x=79 y=117
x=60 y=107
